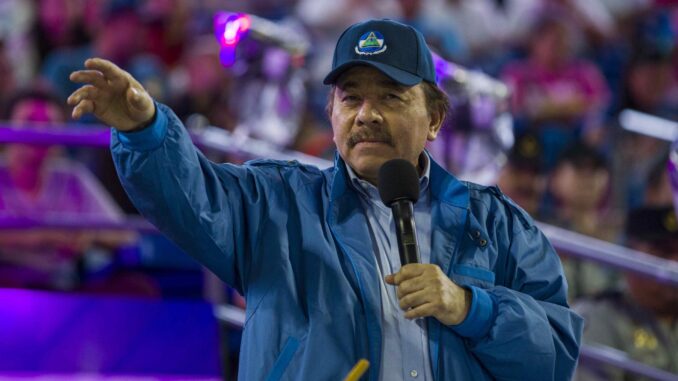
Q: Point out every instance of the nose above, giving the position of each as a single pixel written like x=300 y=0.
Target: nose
x=369 y=114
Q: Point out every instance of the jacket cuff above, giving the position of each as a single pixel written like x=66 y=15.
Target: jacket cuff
x=148 y=138
x=480 y=316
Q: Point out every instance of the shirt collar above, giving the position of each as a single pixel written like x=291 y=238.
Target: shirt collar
x=368 y=190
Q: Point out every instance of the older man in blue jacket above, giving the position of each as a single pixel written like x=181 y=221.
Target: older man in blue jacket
x=314 y=251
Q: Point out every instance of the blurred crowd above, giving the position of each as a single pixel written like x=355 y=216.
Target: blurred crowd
x=572 y=67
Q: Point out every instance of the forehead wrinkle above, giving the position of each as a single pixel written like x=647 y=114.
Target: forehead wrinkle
x=393 y=85
x=347 y=84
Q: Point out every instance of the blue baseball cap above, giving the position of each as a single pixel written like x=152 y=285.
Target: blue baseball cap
x=397 y=50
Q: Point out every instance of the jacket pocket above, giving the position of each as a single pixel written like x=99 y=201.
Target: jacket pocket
x=283 y=360
x=466 y=275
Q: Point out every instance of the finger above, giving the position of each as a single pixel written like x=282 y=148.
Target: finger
x=110 y=70
x=390 y=279
x=411 y=285
x=94 y=77
x=409 y=271
x=85 y=92
x=414 y=299
x=424 y=310
x=84 y=107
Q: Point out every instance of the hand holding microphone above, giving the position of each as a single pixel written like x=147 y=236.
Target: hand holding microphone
x=423 y=289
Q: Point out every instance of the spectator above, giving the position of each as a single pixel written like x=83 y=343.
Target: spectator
x=522 y=179
x=658 y=191
x=647 y=86
x=558 y=97
x=640 y=321
x=204 y=86
x=475 y=23
x=119 y=37
x=592 y=20
x=579 y=186
x=443 y=31
x=59 y=24
x=15 y=24
x=7 y=79
x=638 y=28
x=649 y=81
x=166 y=29
x=39 y=185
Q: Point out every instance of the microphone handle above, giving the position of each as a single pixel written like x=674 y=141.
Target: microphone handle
x=406 y=232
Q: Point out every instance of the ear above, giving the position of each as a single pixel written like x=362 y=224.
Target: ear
x=436 y=122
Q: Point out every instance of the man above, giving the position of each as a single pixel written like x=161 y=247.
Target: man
x=314 y=252
x=646 y=314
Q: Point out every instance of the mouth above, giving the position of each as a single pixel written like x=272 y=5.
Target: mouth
x=371 y=144
x=372 y=140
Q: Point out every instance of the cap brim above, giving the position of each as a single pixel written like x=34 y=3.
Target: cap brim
x=402 y=77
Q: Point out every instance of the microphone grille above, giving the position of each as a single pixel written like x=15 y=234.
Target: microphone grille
x=398 y=179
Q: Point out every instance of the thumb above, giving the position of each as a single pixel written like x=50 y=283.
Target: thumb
x=136 y=99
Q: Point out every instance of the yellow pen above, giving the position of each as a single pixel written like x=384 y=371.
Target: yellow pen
x=358 y=370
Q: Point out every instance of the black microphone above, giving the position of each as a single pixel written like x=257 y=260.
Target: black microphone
x=399 y=189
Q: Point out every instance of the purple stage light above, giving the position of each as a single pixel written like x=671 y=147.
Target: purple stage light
x=442 y=68
x=106 y=337
x=229 y=29
x=227 y=55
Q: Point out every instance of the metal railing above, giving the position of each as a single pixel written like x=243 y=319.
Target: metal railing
x=603 y=355
x=619 y=257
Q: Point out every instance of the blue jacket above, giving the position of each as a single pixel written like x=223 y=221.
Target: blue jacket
x=294 y=241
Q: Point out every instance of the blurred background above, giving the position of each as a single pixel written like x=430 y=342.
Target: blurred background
x=570 y=106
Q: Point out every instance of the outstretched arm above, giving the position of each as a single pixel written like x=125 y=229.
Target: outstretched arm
x=213 y=212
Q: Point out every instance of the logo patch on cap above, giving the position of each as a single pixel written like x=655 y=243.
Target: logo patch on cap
x=371 y=43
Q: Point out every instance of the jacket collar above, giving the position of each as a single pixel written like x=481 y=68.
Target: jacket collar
x=444 y=186
x=447 y=188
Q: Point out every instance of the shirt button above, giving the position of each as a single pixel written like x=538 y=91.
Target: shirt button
x=414 y=373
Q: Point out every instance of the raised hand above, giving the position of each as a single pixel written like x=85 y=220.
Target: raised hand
x=112 y=95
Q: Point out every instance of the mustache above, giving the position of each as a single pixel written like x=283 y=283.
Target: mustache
x=372 y=135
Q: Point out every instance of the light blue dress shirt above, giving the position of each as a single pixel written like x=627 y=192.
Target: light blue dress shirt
x=404 y=342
